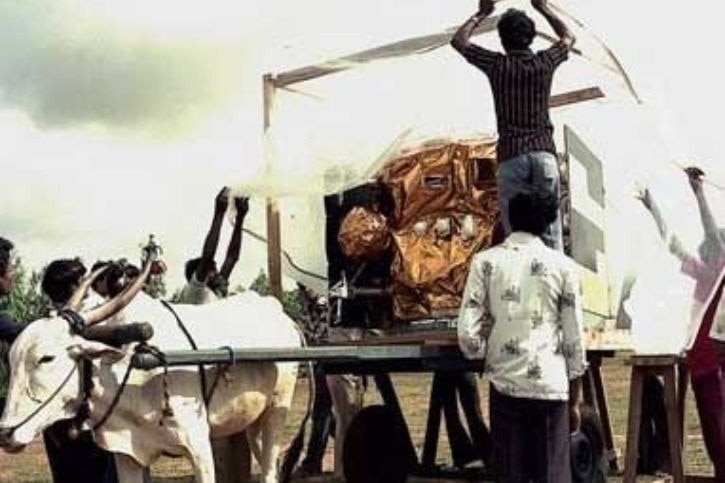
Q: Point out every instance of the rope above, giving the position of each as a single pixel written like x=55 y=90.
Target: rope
x=12 y=429
x=221 y=371
x=114 y=401
x=286 y=256
x=202 y=371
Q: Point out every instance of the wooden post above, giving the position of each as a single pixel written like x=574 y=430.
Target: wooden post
x=274 y=237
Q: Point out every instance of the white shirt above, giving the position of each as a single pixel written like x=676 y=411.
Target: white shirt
x=522 y=311
x=197 y=293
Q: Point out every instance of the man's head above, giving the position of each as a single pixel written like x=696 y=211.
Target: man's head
x=193 y=264
x=114 y=278
x=7 y=273
x=532 y=213
x=516 y=30
x=61 y=278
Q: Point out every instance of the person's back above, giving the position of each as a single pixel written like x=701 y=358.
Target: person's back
x=521 y=83
x=521 y=311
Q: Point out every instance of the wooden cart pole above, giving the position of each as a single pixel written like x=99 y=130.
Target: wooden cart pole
x=274 y=238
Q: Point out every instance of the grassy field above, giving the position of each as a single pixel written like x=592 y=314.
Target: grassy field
x=413 y=390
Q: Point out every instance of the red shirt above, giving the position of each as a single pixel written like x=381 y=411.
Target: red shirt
x=702 y=357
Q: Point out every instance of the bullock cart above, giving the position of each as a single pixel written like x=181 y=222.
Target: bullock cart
x=380 y=432
x=375 y=296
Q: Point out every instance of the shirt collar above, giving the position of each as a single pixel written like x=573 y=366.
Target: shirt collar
x=523 y=238
x=520 y=53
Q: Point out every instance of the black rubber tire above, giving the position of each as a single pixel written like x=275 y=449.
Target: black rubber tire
x=374 y=450
x=588 y=457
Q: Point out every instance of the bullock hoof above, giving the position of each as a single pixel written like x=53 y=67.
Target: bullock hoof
x=588 y=458
x=375 y=448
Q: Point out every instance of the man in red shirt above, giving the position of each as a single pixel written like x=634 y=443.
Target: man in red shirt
x=703 y=362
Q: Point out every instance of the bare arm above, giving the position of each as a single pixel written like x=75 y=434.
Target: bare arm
x=709 y=225
x=674 y=244
x=562 y=31
x=212 y=237
x=235 y=244
x=462 y=38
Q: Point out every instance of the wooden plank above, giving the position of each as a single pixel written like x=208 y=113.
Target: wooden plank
x=274 y=236
x=401 y=48
x=653 y=360
x=576 y=96
x=674 y=431
x=633 y=425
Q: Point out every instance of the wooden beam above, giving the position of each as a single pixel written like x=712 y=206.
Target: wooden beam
x=574 y=97
x=421 y=44
x=274 y=237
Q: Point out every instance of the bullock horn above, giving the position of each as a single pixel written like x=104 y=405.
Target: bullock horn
x=74 y=303
x=116 y=304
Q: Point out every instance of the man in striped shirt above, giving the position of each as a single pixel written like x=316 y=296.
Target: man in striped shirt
x=521 y=84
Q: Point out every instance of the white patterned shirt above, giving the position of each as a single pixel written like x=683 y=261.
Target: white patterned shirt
x=522 y=311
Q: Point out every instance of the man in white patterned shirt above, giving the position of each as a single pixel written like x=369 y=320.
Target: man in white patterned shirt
x=521 y=310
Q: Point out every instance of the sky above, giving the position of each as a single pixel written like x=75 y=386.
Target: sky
x=121 y=118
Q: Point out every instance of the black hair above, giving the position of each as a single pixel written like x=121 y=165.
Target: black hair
x=532 y=212
x=6 y=246
x=516 y=30
x=190 y=268
x=61 y=278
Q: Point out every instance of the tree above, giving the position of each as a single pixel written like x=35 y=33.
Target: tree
x=26 y=302
x=155 y=286
x=291 y=300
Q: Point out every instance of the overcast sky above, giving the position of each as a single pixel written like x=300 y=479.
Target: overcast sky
x=120 y=118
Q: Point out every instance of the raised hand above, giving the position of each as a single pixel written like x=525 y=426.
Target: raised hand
x=222 y=200
x=694 y=176
x=241 y=203
x=641 y=192
x=485 y=7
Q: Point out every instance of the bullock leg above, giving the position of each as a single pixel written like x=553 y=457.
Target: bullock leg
x=129 y=471
x=201 y=456
x=273 y=422
x=254 y=442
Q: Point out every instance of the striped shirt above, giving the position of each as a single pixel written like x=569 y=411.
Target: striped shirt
x=521 y=85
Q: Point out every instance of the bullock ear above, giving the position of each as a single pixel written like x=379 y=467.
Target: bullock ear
x=91 y=349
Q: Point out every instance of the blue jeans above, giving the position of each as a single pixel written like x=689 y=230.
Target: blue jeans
x=536 y=172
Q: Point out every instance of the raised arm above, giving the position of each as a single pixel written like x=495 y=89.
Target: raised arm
x=675 y=246
x=694 y=175
x=562 y=31
x=212 y=237
x=241 y=203
x=461 y=41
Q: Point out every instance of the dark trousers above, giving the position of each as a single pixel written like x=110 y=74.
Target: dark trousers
x=321 y=423
x=530 y=439
x=709 y=392
x=476 y=443
x=73 y=461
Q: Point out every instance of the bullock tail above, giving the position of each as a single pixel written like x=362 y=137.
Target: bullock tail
x=292 y=455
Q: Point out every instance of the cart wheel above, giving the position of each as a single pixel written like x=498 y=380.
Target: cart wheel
x=588 y=459
x=375 y=448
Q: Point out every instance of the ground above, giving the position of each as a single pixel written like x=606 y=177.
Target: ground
x=31 y=466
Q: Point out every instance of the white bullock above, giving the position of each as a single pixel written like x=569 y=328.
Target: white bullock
x=45 y=385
